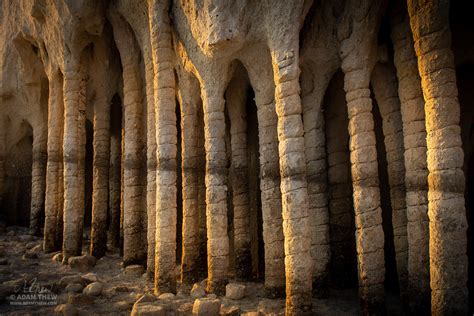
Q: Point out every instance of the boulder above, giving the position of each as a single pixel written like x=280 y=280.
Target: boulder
x=148 y=309
x=90 y=277
x=166 y=296
x=68 y=279
x=82 y=263
x=74 y=288
x=57 y=257
x=134 y=270
x=206 y=307
x=198 y=291
x=93 y=289
x=235 y=291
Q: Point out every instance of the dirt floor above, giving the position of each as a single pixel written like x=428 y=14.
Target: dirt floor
x=30 y=277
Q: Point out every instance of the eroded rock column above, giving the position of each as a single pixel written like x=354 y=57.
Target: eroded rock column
x=315 y=144
x=54 y=185
x=416 y=173
x=189 y=101
x=366 y=194
x=150 y=166
x=134 y=248
x=115 y=178
x=216 y=186
x=236 y=98
x=296 y=223
x=385 y=88
x=38 y=178
x=101 y=144
x=166 y=141
x=74 y=143
x=429 y=22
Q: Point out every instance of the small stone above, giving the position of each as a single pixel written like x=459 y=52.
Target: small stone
x=30 y=255
x=66 y=310
x=3 y=261
x=197 y=291
x=235 y=291
x=150 y=309
x=230 y=311
x=211 y=295
x=80 y=299
x=90 y=277
x=206 y=306
x=11 y=233
x=68 y=279
x=134 y=270
x=93 y=289
x=82 y=263
x=166 y=296
x=57 y=257
x=185 y=308
x=74 y=288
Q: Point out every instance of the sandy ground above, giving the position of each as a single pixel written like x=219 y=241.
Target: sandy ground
x=26 y=270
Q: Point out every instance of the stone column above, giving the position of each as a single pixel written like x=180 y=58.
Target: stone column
x=295 y=204
x=101 y=145
x=189 y=101
x=115 y=181
x=261 y=74
x=38 y=178
x=54 y=185
x=134 y=249
x=74 y=151
x=216 y=186
x=236 y=98
x=366 y=194
x=416 y=173
x=429 y=22
x=151 y=165
x=166 y=142
x=271 y=199
x=315 y=144
x=385 y=88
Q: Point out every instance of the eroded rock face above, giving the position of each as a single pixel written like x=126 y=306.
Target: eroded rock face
x=297 y=142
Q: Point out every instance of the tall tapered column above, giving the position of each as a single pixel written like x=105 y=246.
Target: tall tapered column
x=416 y=173
x=101 y=144
x=166 y=142
x=271 y=199
x=74 y=143
x=385 y=88
x=216 y=186
x=366 y=194
x=150 y=166
x=189 y=101
x=115 y=176
x=429 y=22
x=134 y=249
x=238 y=177
x=315 y=144
x=53 y=202
x=38 y=178
x=295 y=205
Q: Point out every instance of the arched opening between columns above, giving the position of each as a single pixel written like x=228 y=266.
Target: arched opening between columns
x=18 y=166
x=88 y=176
x=343 y=264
